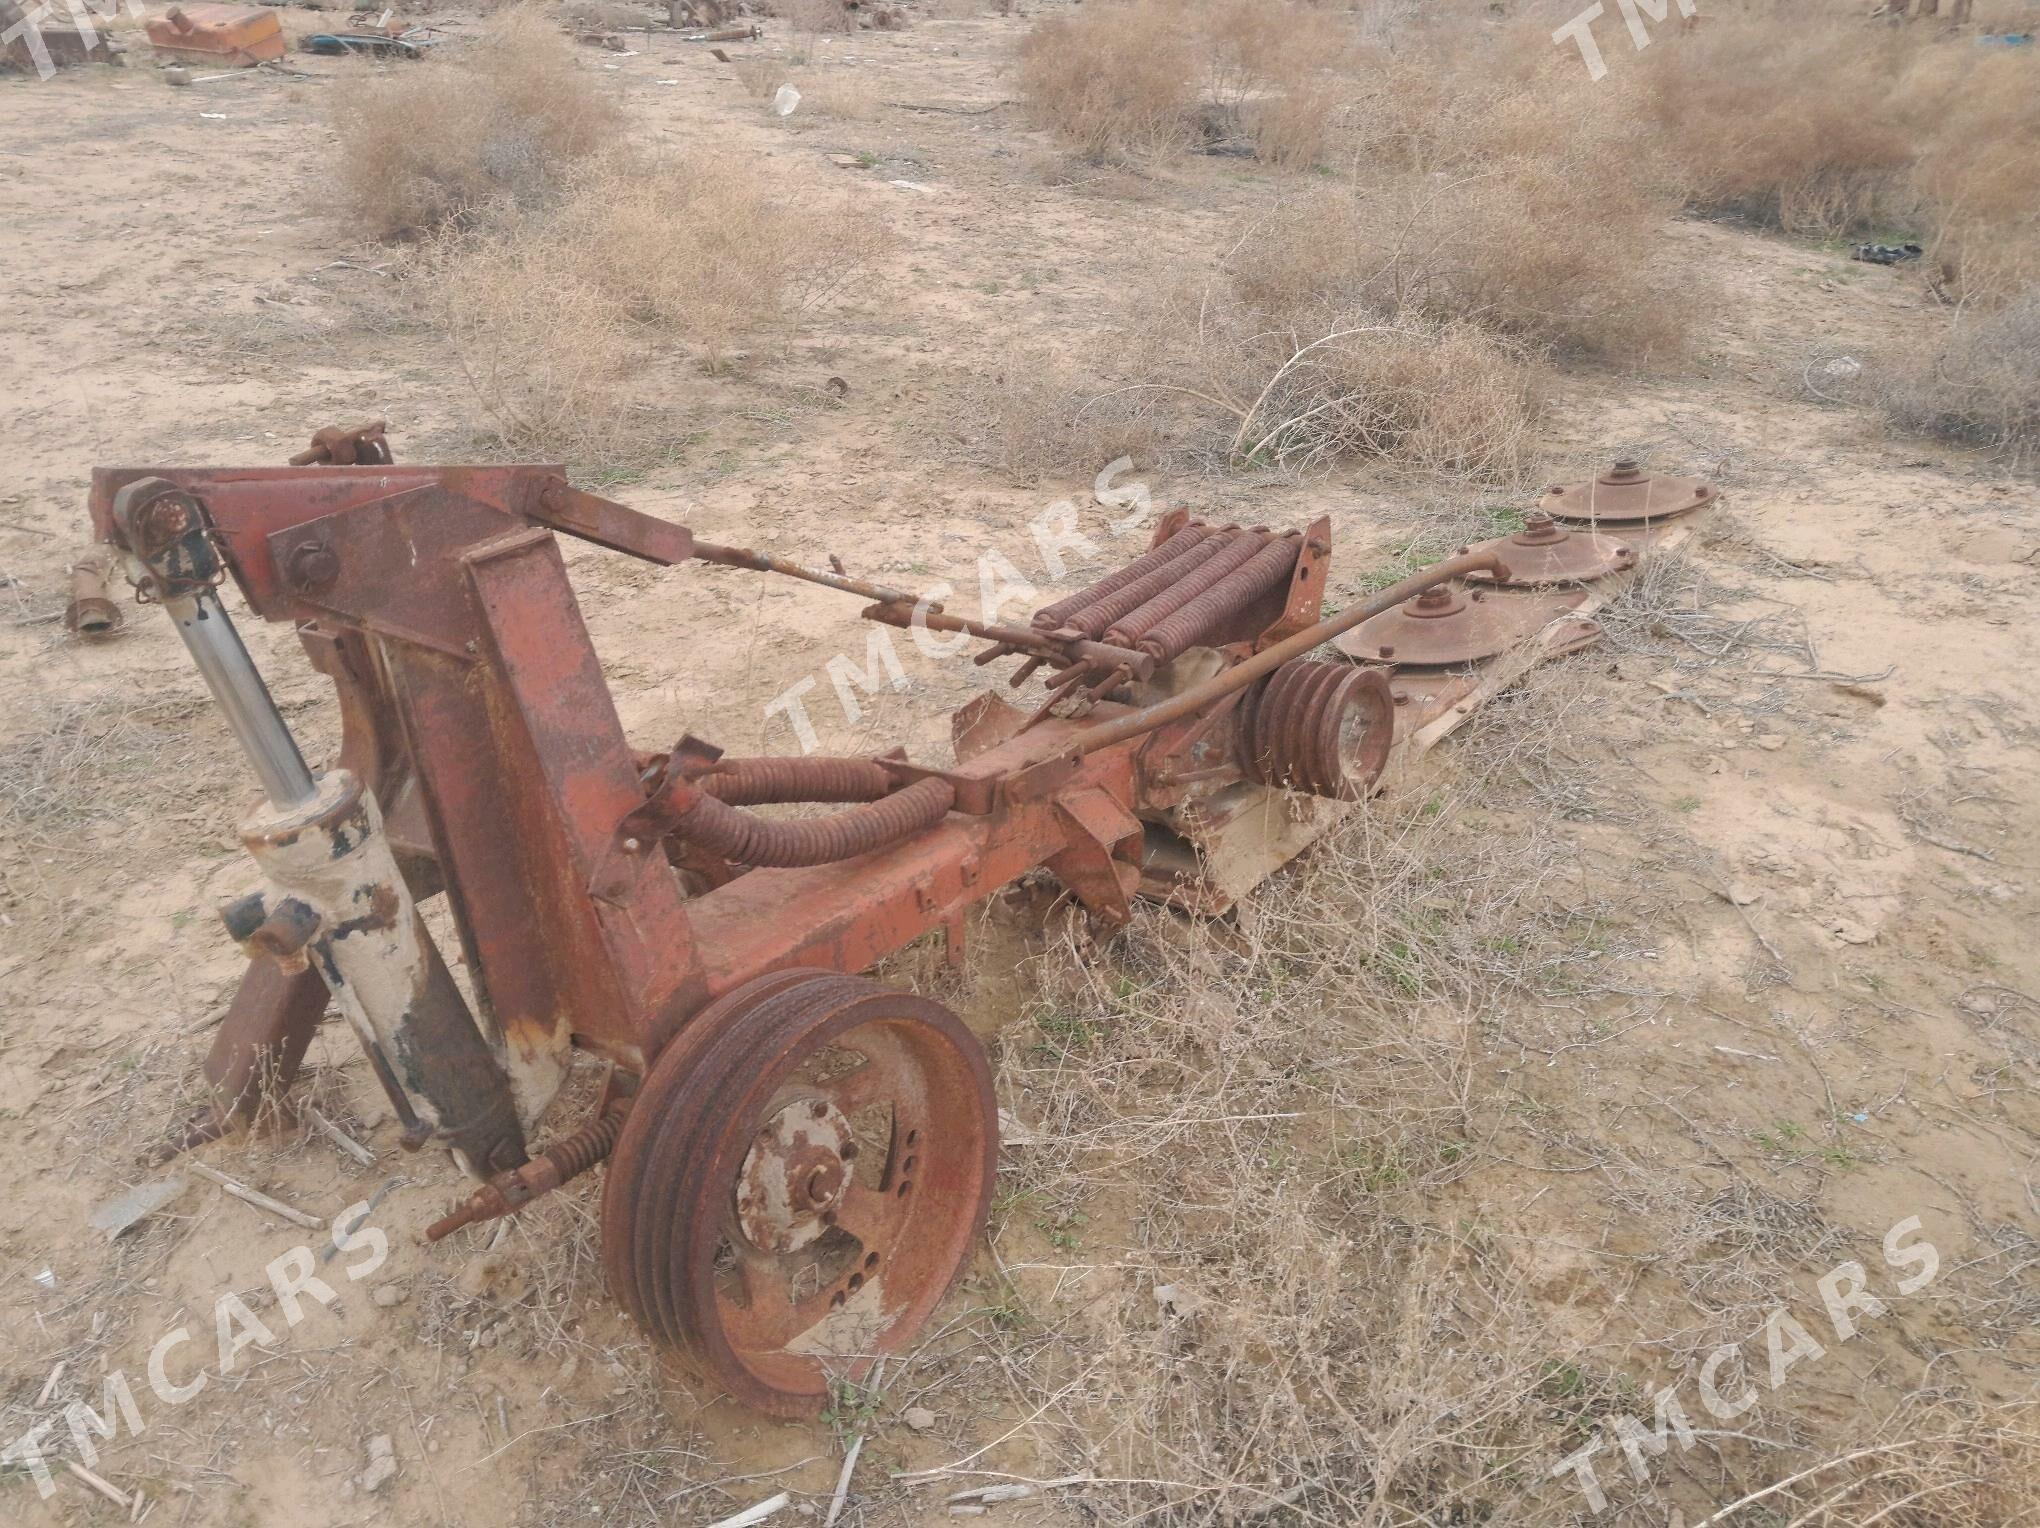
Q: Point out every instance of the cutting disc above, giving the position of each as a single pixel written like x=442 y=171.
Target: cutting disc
x=1449 y=625
x=1626 y=495
x=1545 y=552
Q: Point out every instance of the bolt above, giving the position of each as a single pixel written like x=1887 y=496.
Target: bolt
x=313 y=568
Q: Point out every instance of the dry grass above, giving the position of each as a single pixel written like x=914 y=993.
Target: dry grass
x=1296 y=1321
x=1036 y=419
x=1113 y=81
x=1139 y=80
x=1838 y=128
x=563 y=316
x=83 y=761
x=1259 y=1258
x=1784 y=121
x=1983 y=387
x=504 y=119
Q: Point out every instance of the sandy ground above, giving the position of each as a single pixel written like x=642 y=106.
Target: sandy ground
x=1835 y=866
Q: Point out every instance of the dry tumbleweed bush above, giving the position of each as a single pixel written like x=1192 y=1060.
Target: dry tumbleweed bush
x=561 y=316
x=1831 y=128
x=502 y=119
x=1982 y=387
x=1152 y=77
x=1113 y=80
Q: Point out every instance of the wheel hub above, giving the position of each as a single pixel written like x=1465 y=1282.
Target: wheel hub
x=795 y=1175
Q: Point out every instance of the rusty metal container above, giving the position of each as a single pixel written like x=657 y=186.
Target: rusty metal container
x=229 y=34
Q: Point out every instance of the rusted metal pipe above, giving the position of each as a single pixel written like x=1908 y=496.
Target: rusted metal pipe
x=1240 y=675
x=761 y=562
x=90 y=613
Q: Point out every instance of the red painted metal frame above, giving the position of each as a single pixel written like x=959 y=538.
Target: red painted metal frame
x=472 y=697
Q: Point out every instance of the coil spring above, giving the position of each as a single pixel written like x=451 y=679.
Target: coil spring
x=1224 y=600
x=759 y=781
x=585 y=1147
x=1049 y=617
x=1240 y=549
x=744 y=839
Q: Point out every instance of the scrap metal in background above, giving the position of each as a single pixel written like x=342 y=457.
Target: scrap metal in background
x=90 y=613
x=799 y=1158
x=242 y=35
x=35 y=45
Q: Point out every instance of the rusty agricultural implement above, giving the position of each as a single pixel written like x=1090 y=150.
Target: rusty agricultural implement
x=799 y=1158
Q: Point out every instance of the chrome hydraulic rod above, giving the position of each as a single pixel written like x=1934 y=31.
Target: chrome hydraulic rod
x=237 y=688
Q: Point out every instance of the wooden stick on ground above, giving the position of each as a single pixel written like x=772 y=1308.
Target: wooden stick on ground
x=261 y=1201
x=341 y=1138
x=111 y=1492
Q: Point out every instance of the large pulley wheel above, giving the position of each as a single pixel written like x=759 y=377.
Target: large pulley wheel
x=801 y=1179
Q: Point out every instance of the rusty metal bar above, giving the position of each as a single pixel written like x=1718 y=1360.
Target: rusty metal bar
x=761 y=562
x=615 y=526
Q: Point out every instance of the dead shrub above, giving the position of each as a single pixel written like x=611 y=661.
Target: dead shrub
x=1979 y=175
x=1037 y=417
x=1784 y=120
x=1113 y=81
x=1278 y=70
x=562 y=315
x=1306 y=388
x=1567 y=253
x=1831 y=129
x=1150 y=77
x=503 y=119
x=1983 y=387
